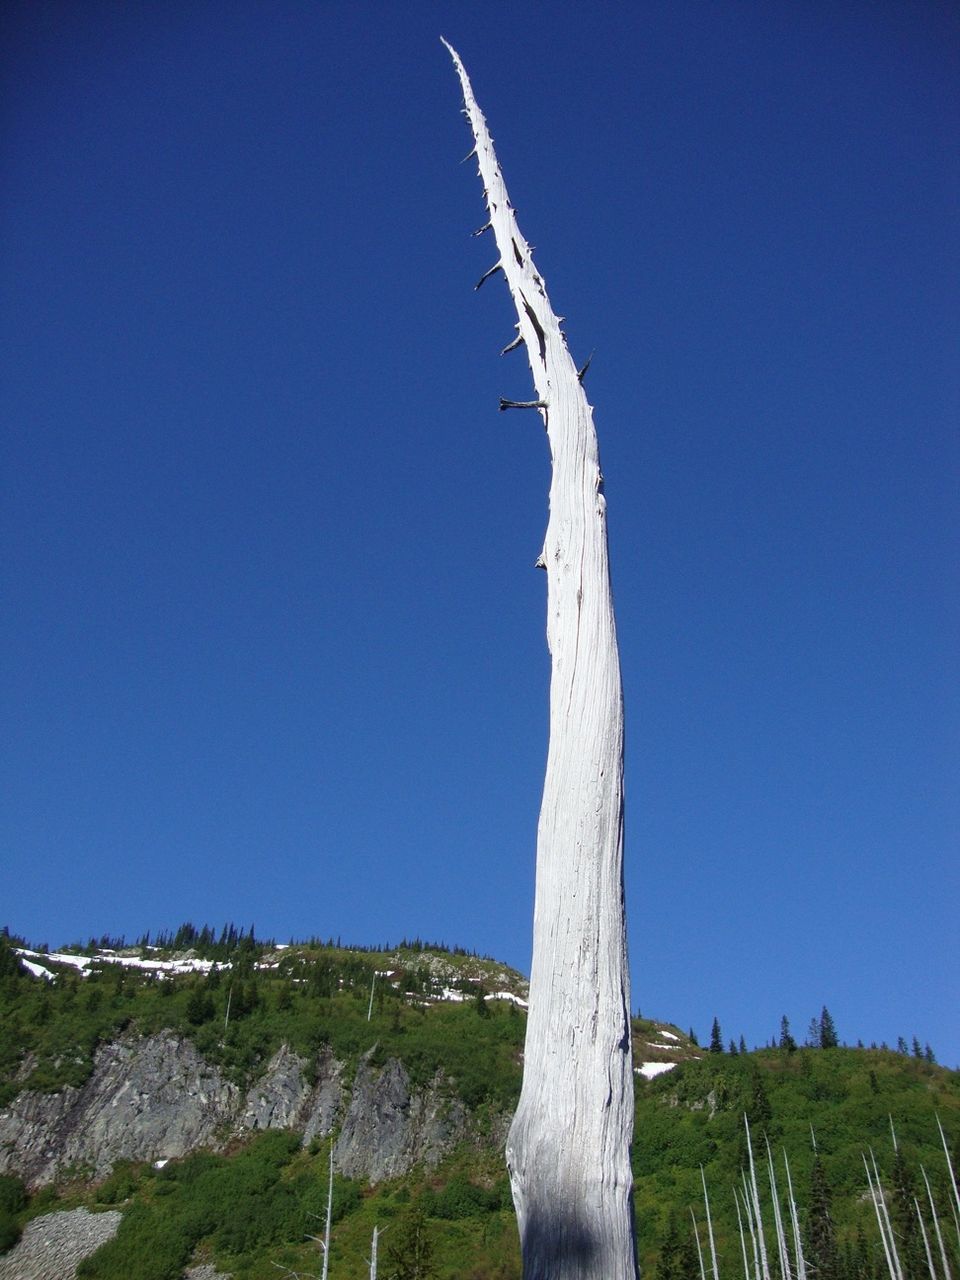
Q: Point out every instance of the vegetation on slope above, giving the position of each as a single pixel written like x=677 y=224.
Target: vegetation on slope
x=252 y=1209
x=308 y=997
x=843 y=1099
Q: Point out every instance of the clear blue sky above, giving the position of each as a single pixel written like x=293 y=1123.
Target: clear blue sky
x=272 y=638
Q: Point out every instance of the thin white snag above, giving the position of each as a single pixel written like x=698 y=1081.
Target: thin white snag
x=713 y=1247
x=883 y=1220
x=568 y=1151
x=936 y=1226
x=795 y=1223
x=926 y=1240
x=953 y=1180
x=325 y=1242
x=778 y=1218
x=373 y=1253
x=748 y=1206
x=761 y=1242
x=743 y=1237
x=696 y=1236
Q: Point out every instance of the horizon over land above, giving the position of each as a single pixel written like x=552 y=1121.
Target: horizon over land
x=273 y=641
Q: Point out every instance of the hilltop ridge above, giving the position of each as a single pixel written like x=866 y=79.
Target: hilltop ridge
x=161 y=1081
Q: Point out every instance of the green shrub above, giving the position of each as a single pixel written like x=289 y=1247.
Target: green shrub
x=148 y=1246
x=120 y=1186
x=9 y=1231
x=13 y=1194
x=461 y=1198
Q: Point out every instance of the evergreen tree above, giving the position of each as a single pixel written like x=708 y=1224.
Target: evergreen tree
x=678 y=1254
x=787 y=1042
x=199 y=1007
x=858 y=1262
x=905 y=1224
x=828 y=1032
x=743 y=1045
x=716 y=1039
x=821 y=1241
x=410 y=1253
x=732 y=1048
x=901 y=1045
x=759 y=1111
x=10 y=966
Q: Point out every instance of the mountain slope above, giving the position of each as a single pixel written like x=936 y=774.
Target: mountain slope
x=278 y=1053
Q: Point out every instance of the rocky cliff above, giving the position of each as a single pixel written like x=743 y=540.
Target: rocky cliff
x=155 y=1098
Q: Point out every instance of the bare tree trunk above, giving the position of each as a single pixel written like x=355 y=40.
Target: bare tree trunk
x=761 y=1242
x=713 y=1248
x=373 y=1253
x=568 y=1152
x=795 y=1223
x=936 y=1226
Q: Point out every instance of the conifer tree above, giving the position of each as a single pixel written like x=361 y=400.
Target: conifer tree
x=759 y=1110
x=858 y=1263
x=828 y=1032
x=904 y=1214
x=10 y=966
x=787 y=1042
x=678 y=1254
x=410 y=1254
x=716 y=1038
x=821 y=1242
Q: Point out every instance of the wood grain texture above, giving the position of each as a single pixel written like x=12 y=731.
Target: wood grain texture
x=568 y=1151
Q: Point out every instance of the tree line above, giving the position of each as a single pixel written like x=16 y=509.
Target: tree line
x=821 y=1034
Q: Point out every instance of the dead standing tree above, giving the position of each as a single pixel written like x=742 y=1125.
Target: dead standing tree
x=568 y=1151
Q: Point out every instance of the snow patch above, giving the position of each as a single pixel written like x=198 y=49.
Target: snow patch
x=651 y=1069
x=161 y=967
x=55 y=957
x=508 y=995
x=668 y=1035
x=191 y=965
x=37 y=970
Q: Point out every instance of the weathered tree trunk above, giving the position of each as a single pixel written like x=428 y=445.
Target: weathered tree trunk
x=568 y=1151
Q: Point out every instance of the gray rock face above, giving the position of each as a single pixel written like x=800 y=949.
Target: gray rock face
x=388 y=1128
x=282 y=1098
x=156 y=1098
x=148 y=1099
x=326 y=1099
x=278 y=1099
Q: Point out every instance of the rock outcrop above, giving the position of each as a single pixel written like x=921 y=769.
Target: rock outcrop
x=282 y=1098
x=155 y=1098
x=52 y=1247
x=389 y=1127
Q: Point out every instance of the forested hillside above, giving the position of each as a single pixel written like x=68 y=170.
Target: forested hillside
x=249 y=1201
